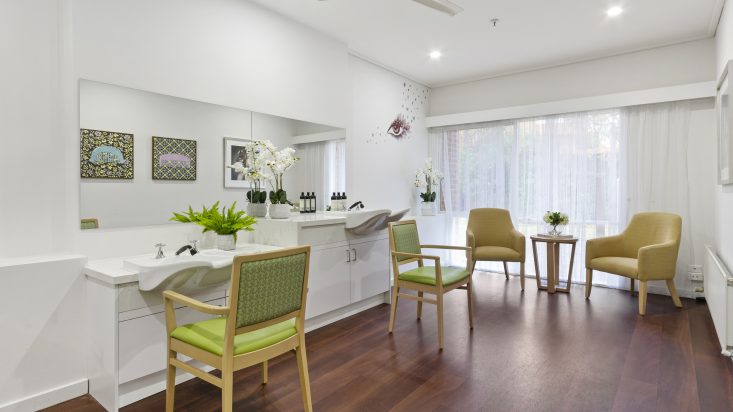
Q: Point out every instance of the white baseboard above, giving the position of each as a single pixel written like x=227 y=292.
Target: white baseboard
x=48 y=398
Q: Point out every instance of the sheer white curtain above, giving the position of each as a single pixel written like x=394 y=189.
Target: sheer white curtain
x=568 y=163
x=599 y=167
x=656 y=143
x=321 y=169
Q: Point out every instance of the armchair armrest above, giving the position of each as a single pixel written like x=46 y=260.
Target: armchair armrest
x=518 y=242
x=195 y=304
x=469 y=252
x=603 y=246
x=415 y=256
x=445 y=247
x=170 y=313
x=470 y=239
x=658 y=262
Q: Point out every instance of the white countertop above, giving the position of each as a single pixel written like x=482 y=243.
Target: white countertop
x=112 y=270
x=307 y=219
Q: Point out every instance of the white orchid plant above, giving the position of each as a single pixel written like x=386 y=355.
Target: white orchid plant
x=278 y=161
x=428 y=178
x=253 y=170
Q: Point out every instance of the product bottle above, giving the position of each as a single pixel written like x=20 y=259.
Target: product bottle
x=314 y=203
x=333 y=200
x=345 y=201
x=337 y=202
x=307 y=202
x=302 y=202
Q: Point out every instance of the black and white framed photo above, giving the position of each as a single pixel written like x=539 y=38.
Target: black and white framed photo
x=724 y=111
x=235 y=156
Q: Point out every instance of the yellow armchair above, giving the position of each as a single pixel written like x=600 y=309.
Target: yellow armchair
x=646 y=250
x=491 y=236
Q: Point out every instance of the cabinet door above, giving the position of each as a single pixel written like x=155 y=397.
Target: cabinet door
x=328 y=280
x=370 y=269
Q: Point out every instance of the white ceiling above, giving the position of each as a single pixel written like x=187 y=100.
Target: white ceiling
x=532 y=34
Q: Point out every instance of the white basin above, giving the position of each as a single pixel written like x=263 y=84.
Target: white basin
x=358 y=217
x=184 y=272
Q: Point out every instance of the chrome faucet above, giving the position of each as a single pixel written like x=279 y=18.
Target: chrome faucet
x=192 y=248
x=160 y=254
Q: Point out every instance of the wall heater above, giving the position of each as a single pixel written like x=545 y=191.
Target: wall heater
x=719 y=296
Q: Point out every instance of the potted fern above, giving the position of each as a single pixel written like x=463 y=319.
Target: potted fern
x=428 y=178
x=225 y=224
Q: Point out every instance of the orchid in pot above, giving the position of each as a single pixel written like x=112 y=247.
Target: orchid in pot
x=252 y=172
x=278 y=161
x=428 y=178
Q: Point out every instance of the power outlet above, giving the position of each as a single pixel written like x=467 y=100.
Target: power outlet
x=695 y=276
x=695 y=268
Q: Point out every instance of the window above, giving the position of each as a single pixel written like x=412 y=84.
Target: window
x=567 y=163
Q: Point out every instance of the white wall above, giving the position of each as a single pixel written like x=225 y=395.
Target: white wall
x=117 y=203
x=43 y=315
x=30 y=182
x=380 y=169
x=724 y=201
x=667 y=66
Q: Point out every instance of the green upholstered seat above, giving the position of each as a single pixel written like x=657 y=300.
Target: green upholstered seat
x=209 y=336
x=426 y=275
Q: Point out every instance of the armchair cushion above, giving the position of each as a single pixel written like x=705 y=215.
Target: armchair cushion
x=426 y=275
x=496 y=253
x=209 y=336
x=617 y=265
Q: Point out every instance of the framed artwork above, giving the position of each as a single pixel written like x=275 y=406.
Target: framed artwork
x=174 y=159
x=724 y=112
x=234 y=153
x=106 y=155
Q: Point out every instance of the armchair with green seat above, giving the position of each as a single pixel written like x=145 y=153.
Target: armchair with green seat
x=492 y=237
x=646 y=250
x=265 y=318
x=437 y=280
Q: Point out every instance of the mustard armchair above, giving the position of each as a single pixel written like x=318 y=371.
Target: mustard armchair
x=491 y=236
x=646 y=250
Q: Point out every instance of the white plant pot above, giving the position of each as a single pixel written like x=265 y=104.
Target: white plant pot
x=279 y=211
x=429 y=209
x=257 y=209
x=225 y=242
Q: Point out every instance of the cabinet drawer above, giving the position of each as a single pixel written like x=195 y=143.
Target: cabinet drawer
x=142 y=342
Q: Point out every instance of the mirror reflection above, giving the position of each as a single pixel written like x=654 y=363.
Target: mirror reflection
x=144 y=155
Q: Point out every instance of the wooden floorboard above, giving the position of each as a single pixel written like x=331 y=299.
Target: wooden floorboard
x=528 y=351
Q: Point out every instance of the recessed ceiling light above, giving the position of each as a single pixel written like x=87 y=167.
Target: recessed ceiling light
x=435 y=54
x=614 y=11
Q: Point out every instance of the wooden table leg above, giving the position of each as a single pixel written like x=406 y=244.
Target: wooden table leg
x=536 y=265
x=550 y=268
x=557 y=263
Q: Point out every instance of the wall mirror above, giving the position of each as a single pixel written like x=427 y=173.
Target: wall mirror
x=144 y=155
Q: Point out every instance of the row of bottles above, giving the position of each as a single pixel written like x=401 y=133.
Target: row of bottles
x=307 y=202
x=339 y=201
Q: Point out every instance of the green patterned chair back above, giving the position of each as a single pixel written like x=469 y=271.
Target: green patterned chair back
x=405 y=239
x=270 y=288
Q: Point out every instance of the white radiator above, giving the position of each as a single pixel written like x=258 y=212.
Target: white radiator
x=719 y=296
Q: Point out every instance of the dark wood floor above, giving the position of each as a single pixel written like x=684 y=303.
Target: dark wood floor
x=528 y=352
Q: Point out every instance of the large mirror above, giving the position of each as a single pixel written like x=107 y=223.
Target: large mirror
x=144 y=155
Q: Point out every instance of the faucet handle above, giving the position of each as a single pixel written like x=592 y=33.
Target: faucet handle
x=160 y=254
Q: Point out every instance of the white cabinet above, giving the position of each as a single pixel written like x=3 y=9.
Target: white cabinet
x=369 y=269
x=346 y=272
x=328 y=279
